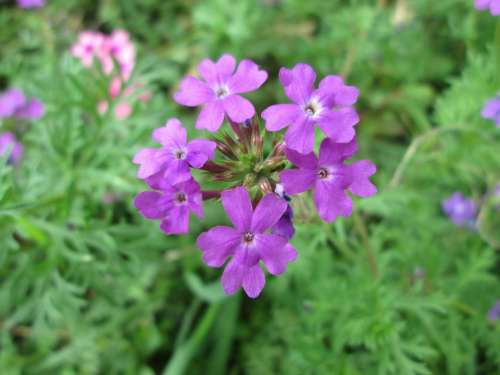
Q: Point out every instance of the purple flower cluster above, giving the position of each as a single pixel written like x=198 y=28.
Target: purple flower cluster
x=252 y=169
x=9 y=143
x=462 y=211
x=13 y=103
x=491 y=110
x=491 y=5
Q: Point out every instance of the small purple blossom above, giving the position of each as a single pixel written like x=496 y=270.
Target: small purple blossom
x=9 y=143
x=13 y=103
x=172 y=205
x=176 y=156
x=328 y=106
x=28 y=4
x=492 y=5
x=330 y=178
x=491 y=110
x=248 y=242
x=462 y=211
x=218 y=92
x=494 y=312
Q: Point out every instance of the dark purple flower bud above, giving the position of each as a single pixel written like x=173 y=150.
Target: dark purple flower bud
x=219 y=91
x=494 y=312
x=460 y=210
x=9 y=143
x=248 y=242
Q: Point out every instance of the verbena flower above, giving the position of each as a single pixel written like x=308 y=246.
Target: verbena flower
x=172 y=205
x=219 y=91
x=248 y=242
x=330 y=178
x=491 y=110
x=176 y=156
x=14 y=104
x=494 y=312
x=492 y=5
x=9 y=143
x=328 y=106
x=462 y=211
x=28 y=4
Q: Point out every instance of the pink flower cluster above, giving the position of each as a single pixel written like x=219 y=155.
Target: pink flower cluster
x=115 y=54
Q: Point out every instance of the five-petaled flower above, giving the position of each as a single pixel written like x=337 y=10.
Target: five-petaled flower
x=172 y=204
x=248 y=242
x=330 y=178
x=328 y=106
x=218 y=93
x=173 y=160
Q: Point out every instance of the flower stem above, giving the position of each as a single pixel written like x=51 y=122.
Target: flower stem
x=361 y=229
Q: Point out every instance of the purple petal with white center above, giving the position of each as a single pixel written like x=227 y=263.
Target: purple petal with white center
x=238 y=207
x=177 y=221
x=238 y=108
x=199 y=151
x=253 y=281
x=211 y=116
x=218 y=244
x=268 y=212
x=339 y=125
x=296 y=181
x=279 y=116
x=247 y=78
x=360 y=172
x=193 y=92
x=307 y=161
x=150 y=205
x=300 y=136
x=331 y=201
x=271 y=249
x=331 y=152
x=172 y=136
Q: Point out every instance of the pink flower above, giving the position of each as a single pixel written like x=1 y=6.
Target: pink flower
x=218 y=92
x=87 y=46
x=9 y=143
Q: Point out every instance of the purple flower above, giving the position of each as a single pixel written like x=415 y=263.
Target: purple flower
x=176 y=156
x=9 y=143
x=172 y=205
x=462 y=211
x=491 y=110
x=218 y=93
x=313 y=107
x=28 y=4
x=13 y=103
x=494 y=312
x=247 y=243
x=284 y=227
x=329 y=177
x=492 y=5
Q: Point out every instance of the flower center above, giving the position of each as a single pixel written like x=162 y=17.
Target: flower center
x=181 y=197
x=221 y=92
x=248 y=238
x=180 y=154
x=312 y=108
x=323 y=173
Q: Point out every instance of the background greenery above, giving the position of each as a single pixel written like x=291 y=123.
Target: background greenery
x=89 y=287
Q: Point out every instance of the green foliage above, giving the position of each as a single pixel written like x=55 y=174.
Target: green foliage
x=90 y=287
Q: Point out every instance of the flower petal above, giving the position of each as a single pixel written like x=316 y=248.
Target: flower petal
x=331 y=152
x=247 y=78
x=177 y=221
x=199 y=151
x=298 y=85
x=339 y=125
x=296 y=181
x=219 y=72
x=33 y=109
x=238 y=108
x=238 y=207
x=253 y=281
x=300 y=136
x=360 y=172
x=149 y=205
x=307 y=161
x=331 y=201
x=218 y=244
x=172 y=136
x=343 y=95
x=211 y=116
x=279 y=116
x=232 y=277
x=177 y=171
x=268 y=212
x=271 y=249
x=148 y=161
x=193 y=92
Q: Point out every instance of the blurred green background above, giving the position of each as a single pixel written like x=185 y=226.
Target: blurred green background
x=90 y=287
